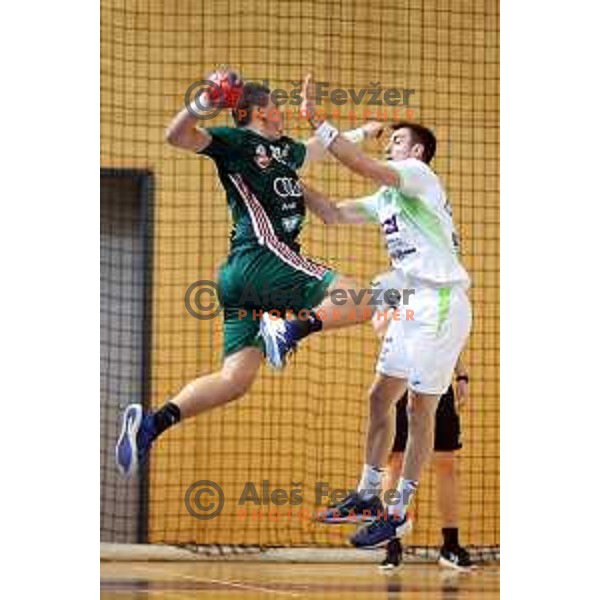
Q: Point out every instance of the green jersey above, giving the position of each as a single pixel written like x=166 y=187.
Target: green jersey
x=263 y=191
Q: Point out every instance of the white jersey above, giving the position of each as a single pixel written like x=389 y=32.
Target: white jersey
x=416 y=220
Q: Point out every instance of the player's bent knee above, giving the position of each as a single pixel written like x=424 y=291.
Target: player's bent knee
x=237 y=382
x=239 y=373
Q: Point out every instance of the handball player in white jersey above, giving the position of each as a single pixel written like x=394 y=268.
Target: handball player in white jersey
x=419 y=354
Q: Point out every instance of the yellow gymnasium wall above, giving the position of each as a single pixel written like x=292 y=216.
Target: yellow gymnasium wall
x=306 y=425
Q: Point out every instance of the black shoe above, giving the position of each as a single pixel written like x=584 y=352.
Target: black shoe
x=352 y=509
x=393 y=555
x=455 y=558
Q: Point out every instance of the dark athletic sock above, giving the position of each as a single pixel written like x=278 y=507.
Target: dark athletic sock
x=450 y=535
x=166 y=416
x=304 y=327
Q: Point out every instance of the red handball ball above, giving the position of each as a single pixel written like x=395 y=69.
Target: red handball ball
x=225 y=88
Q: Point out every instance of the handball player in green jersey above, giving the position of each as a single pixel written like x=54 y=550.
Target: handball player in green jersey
x=257 y=165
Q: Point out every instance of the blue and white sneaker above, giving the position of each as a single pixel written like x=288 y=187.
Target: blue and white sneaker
x=381 y=531
x=135 y=440
x=279 y=340
x=352 y=509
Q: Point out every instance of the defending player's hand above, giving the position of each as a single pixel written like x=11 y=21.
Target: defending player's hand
x=307 y=108
x=373 y=129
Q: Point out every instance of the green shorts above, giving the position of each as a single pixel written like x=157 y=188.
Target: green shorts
x=257 y=280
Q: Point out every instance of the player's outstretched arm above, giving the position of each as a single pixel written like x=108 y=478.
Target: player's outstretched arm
x=183 y=131
x=346 y=152
x=331 y=213
x=316 y=151
x=358 y=162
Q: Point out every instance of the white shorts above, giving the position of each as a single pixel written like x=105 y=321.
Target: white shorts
x=424 y=350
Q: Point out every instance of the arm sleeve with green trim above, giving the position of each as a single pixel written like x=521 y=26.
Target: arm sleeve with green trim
x=369 y=207
x=226 y=143
x=416 y=175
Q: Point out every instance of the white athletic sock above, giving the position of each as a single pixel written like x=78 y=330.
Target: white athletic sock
x=370 y=482
x=406 y=490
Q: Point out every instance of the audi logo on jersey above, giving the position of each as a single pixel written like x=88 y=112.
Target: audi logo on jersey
x=286 y=187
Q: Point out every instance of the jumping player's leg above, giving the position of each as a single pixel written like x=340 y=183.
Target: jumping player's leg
x=215 y=389
x=140 y=429
x=383 y=396
x=243 y=356
x=350 y=305
x=425 y=351
x=421 y=410
x=431 y=347
x=342 y=304
x=365 y=502
x=385 y=392
x=393 y=470
x=447 y=441
x=345 y=303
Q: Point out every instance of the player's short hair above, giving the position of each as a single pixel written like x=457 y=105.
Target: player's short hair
x=419 y=135
x=252 y=96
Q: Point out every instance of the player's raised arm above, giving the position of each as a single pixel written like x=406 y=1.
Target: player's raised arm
x=316 y=151
x=351 y=212
x=346 y=152
x=222 y=89
x=183 y=131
